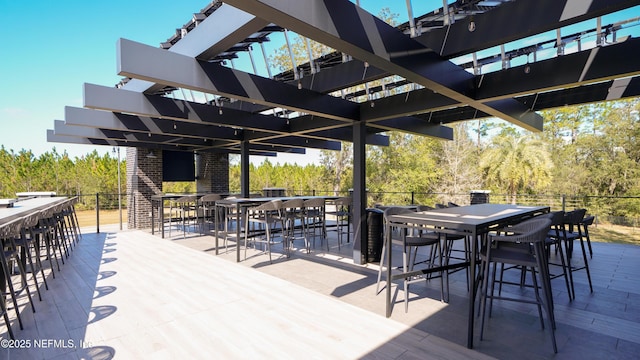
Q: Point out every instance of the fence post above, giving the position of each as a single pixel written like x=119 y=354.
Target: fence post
x=413 y=201
x=98 y=213
x=564 y=203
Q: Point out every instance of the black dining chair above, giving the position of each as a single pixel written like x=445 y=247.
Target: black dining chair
x=342 y=214
x=524 y=245
x=292 y=213
x=572 y=232
x=207 y=208
x=314 y=219
x=410 y=240
x=31 y=249
x=586 y=222
x=10 y=254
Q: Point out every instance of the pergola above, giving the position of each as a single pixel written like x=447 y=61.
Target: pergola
x=468 y=59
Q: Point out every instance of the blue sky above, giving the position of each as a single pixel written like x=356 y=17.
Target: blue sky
x=52 y=47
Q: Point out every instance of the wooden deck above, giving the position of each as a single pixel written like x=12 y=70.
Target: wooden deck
x=129 y=295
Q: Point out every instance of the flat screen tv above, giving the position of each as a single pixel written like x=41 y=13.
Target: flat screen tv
x=178 y=166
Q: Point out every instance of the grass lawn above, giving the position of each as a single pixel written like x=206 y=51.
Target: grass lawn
x=615 y=234
x=88 y=217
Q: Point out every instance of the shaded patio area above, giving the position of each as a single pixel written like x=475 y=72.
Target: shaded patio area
x=134 y=295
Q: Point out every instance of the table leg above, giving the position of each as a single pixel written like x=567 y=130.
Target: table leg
x=215 y=223
x=472 y=289
x=161 y=209
x=238 y=226
x=387 y=239
x=153 y=227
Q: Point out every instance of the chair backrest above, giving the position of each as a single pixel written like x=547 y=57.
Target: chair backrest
x=209 y=198
x=314 y=203
x=269 y=206
x=574 y=218
x=530 y=231
x=587 y=221
x=424 y=208
x=343 y=201
x=556 y=217
x=186 y=198
x=395 y=211
x=293 y=204
x=441 y=206
x=450 y=204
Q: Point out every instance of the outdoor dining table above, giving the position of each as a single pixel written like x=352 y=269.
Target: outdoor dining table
x=157 y=205
x=21 y=209
x=474 y=221
x=242 y=204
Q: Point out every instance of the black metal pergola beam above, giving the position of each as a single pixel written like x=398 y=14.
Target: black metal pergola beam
x=345 y=27
x=69 y=139
x=551 y=75
x=179 y=112
x=185 y=72
x=222 y=29
x=604 y=91
x=581 y=68
x=585 y=94
x=128 y=123
x=137 y=139
x=515 y=20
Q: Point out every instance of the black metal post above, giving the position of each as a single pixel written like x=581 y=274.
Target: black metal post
x=98 y=213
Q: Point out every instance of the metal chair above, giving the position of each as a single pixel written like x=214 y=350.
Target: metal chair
x=231 y=220
x=266 y=215
x=410 y=241
x=342 y=214
x=10 y=254
x=314 y=218
x=29 y=242
x=523 y=245
x=186 y=207
x=572 y=231
x=586 y=222
x=555 y=238
x=207 y=207
x=292 y=213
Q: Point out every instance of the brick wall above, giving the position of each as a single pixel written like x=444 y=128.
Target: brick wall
x=144 y=179
x=213 y=173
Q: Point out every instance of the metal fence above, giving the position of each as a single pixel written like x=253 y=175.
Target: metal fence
x=107 y=208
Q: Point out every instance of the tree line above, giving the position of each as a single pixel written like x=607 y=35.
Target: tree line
x=589 y=150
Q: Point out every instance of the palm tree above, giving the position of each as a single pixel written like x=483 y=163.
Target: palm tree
x=516 y=164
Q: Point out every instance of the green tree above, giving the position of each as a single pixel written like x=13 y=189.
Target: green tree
x=458 y=164
x=514 y=164
x=338 y=167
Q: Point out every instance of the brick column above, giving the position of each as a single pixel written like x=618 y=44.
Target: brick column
x=144 y=179
x=212 y=172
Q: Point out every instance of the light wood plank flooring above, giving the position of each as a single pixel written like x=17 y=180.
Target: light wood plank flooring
x=602 y=324
x=131 y=295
